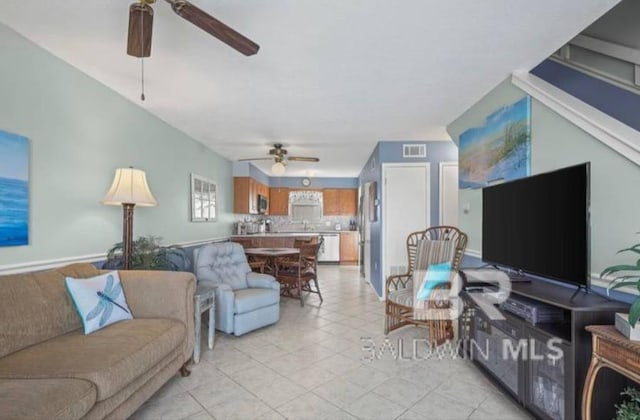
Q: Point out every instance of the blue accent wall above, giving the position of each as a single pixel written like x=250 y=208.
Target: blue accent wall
x=617 y=102
x=391 y=152
x=296 y=182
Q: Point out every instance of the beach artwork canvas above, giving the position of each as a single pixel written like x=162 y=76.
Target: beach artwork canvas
x=498 y=151
x=14 y=189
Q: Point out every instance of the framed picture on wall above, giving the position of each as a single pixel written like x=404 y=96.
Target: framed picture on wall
x=14 y=189
x=500 y=149
x=203 y=199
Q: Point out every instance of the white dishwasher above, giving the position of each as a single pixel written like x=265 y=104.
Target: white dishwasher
x=330 y=249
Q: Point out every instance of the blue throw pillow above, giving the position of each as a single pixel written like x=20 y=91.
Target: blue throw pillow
x=436 y=274
x=99 y=300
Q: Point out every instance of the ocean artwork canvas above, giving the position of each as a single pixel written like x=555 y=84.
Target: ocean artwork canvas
x=14 y=189
x=499 y=150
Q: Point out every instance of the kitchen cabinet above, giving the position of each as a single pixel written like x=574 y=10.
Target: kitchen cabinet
x=348 y=201
x=245 y=194
x=348 y=247
x=340 y=201
x=279 y=201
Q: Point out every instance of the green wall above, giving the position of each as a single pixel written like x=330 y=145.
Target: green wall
x=80 y=131
x=556 y=142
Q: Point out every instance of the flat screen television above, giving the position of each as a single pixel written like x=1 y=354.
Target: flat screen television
x=540 y=224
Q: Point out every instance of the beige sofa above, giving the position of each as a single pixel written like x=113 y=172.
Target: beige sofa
x=50 y=369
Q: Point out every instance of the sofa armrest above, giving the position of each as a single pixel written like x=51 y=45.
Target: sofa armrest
x=262 y=281
x=162 y=294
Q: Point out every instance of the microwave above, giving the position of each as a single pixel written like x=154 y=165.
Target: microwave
x=263 y=204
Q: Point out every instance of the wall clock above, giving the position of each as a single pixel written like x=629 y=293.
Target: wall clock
x=306 y=182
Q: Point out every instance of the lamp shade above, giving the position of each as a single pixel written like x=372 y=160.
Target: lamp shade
x=278 y=168
x=130 y=187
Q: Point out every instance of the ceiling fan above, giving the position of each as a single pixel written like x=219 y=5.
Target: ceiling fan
x=141 y=29
x=141 y=25
x=281 y=158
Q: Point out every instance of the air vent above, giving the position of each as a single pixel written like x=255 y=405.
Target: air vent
x=414 y=150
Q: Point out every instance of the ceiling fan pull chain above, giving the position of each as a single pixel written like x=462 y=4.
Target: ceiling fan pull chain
x=142 y=78
x=141 y=54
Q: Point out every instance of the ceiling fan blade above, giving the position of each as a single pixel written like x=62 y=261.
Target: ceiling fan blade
x=303 y=159
x=260 y=158
x=140 y=30
x=213 y=26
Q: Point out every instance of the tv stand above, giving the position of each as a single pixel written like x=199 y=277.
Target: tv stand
x=534 y=382
x=580 y=287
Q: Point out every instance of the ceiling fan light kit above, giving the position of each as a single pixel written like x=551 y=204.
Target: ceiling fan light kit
x=278 y=168
x=140 y=29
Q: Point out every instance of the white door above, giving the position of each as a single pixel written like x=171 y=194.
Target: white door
x=366 y=233
x=449 y=193
x=406 y=207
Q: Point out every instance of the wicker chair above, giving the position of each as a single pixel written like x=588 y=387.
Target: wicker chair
x=257 y=264
x=296 y=276
x=399 y=308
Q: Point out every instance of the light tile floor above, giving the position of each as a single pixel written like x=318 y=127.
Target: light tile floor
x=311 y=365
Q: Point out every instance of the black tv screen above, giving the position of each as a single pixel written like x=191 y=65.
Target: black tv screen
x=540 y=224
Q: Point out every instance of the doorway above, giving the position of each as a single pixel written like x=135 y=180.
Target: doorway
x=406 y=208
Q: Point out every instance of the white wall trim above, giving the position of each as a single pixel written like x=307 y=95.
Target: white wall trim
x=441 y=166
x=49 y=264
x=473 y=253
x=31 y=266
x=611 y=132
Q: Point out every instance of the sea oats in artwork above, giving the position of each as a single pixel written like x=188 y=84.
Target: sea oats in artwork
x=499 y=150
x=14 y=189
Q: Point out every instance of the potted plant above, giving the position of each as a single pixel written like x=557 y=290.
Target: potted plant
x=148 y=254
x=626 y=275
x=630 y=408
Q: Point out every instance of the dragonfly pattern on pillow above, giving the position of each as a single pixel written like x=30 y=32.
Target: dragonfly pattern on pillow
x=107 y=302
x=100 y=300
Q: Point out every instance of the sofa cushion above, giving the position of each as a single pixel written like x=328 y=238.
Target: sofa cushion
x=99 y=300
x=248 y=300
x=223 y=262
x=46 y=398
x=36 y=306
x=111 y=358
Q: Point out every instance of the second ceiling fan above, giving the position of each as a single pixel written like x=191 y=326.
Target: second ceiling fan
x=281 y=157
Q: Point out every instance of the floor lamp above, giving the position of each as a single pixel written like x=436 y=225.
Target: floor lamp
x=129 y=189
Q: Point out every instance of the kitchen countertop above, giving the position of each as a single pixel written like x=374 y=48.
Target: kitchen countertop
x=281 y=234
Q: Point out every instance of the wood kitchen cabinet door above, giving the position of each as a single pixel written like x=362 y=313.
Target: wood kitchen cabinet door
x=245 y=194
x=241 y=195
x=348 y=202
x=348 y=247
x=330 y=203
x=279 y=201
x=340 y=202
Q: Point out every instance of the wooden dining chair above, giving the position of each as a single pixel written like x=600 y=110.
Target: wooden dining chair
x=257 y=264
x=297 y=276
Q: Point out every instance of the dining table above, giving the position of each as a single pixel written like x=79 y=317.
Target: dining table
x=271 y=255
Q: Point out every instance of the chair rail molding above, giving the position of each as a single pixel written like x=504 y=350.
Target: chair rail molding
x=41 y=265
x=614 y=134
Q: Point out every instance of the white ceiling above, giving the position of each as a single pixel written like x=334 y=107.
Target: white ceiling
x=332 y=77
